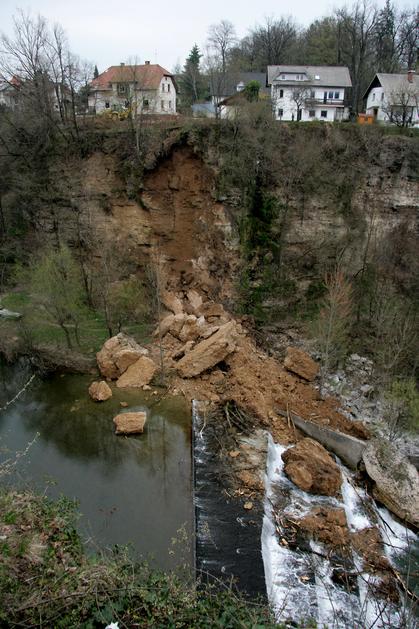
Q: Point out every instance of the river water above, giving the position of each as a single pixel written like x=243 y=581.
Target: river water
x=135 y=490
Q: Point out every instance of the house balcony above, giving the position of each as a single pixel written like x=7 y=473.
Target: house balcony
x=331 y=102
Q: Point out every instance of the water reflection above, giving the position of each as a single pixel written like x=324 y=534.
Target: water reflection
x=135 y=489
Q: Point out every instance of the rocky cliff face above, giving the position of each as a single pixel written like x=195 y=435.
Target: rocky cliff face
x=174 y=218
x=175 y=215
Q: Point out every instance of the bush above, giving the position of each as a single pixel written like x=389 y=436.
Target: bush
x=402 y=406
x=47 y=580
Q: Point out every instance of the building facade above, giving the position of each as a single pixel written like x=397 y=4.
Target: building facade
x=146 y=88
x=309 y=92
x=394 y=99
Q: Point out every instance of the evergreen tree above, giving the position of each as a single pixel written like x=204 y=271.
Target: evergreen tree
x=386 y=39
x=95 y=72
x=192 y=83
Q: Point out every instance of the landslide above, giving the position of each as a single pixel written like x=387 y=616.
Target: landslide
x=178 y=224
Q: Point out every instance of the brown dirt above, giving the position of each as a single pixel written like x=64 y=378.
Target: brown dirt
x=311 y=468
x=189 y=226
x=179 y=219
x=260 y=385
x=328 y=526
x=369 y=545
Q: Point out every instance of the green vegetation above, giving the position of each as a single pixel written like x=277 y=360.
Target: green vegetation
x=402 y=406
x=47 y=580
x=35 y=329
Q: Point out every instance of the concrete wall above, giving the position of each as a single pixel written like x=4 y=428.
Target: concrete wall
x=347 y=448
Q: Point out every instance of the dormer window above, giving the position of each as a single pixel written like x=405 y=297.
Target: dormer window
x=121 y=89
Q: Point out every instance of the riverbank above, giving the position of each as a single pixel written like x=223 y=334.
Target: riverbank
x=47 y=580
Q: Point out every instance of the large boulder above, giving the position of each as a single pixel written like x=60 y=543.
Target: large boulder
x=300 y=363
x=396 y=479
x=171 y=323
x=100 y=391
x=130 y=423
x=117 y=354
x=312 y=468
x=195 y=301
x=192 y=328
x=172 y=302
x=209 y=352
x=138 y=374
x=165 y=325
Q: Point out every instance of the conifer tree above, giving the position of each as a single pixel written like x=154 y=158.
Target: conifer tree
x=192 y=83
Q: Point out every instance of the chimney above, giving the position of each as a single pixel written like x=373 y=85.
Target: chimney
x=122 y=64
x=147 y=63
x=410 y=74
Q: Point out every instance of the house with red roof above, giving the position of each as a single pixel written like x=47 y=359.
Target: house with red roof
x=146 y=88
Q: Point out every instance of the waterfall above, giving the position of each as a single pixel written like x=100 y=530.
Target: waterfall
x=299 y=581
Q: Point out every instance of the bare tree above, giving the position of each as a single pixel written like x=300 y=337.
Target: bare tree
x=273 y=41
x=402 y=104
x=356 y=28
x=332 y=325
x=299 y=95
x=221 y=38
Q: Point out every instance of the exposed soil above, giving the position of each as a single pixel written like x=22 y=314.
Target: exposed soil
x=262 y=386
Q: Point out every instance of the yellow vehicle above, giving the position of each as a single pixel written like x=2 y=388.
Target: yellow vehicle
x=117 y=113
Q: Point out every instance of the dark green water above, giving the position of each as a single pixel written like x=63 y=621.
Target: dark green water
x=135 y=490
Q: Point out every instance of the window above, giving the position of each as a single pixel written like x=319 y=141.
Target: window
x=145 y=103
x=162 y=87
x=107 y=105
x=312 y=113
x=330 y=94
x=280 y=113
x=373 y=96
x=162 y=105
x=323 y=113
x=312 y=94
x=121 y=88
x=170 y=104
x=382 y=95
x=283 y=77
x=168 y=87
x=281 y=93
x=337 y=95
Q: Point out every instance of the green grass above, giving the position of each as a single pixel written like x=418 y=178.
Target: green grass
x=37 y=328
x=47 y=580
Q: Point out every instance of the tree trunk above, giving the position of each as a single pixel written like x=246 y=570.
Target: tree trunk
x=67 y=335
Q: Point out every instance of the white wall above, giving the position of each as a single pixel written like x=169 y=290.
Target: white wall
x=289 y=107
x=160 y=101
x=376 y=100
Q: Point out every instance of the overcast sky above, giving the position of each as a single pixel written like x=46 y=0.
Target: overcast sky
x=107 y=32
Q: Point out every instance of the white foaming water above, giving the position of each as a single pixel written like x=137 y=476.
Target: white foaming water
x=396 y=537
x=299 y=583
x=353 y=501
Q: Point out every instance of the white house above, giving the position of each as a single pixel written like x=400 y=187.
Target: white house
x=9 y=92
x=146 y=88
x=394 y=98
x=309 y=92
